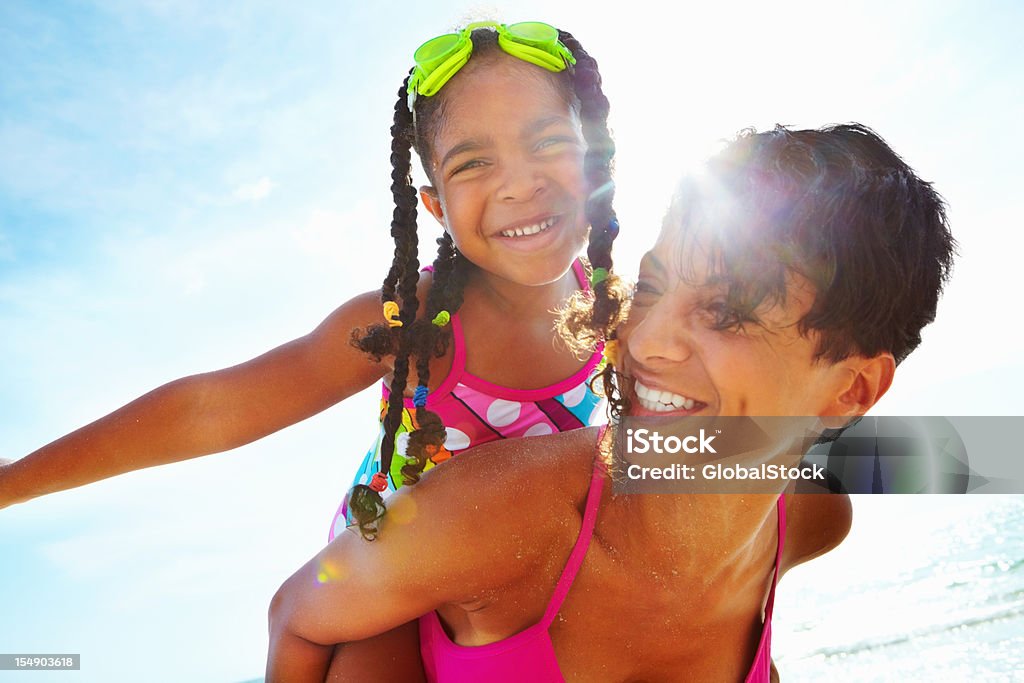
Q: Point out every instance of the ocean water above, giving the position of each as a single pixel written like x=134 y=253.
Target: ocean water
x=925 y=588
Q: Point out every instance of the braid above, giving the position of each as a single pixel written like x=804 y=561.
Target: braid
x=457 y=282
x=382 y=340
x=427 y=438
x=365 y=504
x=591 y=318
x=403 y=221
x=597 y=164
x=437 y=301
x=415 y=338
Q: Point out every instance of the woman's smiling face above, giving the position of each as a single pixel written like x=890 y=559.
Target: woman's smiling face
x=685 y=353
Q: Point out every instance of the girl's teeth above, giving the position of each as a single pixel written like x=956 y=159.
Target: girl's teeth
x=530 y=229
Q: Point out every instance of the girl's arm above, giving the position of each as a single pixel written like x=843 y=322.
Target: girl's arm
x=449 y=539
x=356 y=589
x=208 y=413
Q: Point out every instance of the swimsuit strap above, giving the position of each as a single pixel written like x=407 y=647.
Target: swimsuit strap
x=459 y=375
x=579 y=551
x=581 y=275
x=760 y=668
x=459 y=349
x=781 y=506
x=459 y=361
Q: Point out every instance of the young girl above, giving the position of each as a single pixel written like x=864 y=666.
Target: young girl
x=515 y=212
x=511 y=126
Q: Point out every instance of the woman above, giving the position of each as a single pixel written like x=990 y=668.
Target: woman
x=789 y=279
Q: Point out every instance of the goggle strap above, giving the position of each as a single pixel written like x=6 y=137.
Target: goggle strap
x=443 y=73
x=549 y=46
x=528 y=53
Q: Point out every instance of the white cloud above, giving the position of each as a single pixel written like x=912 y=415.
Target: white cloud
x=254 y=192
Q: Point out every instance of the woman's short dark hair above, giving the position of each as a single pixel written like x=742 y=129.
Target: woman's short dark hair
x=837 y=206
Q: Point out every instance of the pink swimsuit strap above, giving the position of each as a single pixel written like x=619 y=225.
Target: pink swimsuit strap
x=527 y=655
x=579 y=551
x=458 y=375
x=760 y=670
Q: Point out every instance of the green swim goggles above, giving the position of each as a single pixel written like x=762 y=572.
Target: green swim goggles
x=438 y=59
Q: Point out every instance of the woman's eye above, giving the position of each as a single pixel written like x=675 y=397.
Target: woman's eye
x=643 y=286
x=644 y=292
x=723 y=317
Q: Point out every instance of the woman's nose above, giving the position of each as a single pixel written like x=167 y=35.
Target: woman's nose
x=658 y=333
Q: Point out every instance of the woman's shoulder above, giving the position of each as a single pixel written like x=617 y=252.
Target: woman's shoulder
x=540 y=476
x=815 y=524
x=494 y=502
x=543 y=463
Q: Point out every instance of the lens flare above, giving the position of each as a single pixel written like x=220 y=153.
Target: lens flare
x=331 y=572
x=402 y=511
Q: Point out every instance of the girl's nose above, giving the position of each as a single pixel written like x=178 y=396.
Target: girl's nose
x=520 y=181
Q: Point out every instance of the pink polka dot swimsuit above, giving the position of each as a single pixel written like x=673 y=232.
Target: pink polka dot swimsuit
x=475 y=411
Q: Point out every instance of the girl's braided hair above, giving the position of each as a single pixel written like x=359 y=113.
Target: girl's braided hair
x=418 y=339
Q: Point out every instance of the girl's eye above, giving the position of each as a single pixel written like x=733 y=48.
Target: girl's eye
x=469 y=165
x=554 y=141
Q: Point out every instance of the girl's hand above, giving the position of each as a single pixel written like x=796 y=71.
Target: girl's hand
x=4 y=462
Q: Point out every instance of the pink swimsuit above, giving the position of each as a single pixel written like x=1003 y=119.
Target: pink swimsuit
x=475 y=411
x=529 y=655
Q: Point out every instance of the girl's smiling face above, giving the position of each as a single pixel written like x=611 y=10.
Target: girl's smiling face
x=507 y=163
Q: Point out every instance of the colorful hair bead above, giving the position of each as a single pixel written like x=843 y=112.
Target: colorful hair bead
x=441 y=319
x=599 y=275
x=613 y=227
x=391 y=312
x=611 y=351
x=419 y=399
x=379 y=482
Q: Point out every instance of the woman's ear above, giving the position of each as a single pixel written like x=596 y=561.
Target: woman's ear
x=430 y=199
x=867 y=381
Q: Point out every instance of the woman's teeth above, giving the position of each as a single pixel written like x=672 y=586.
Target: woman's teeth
x=661 y=401
x=529 y=229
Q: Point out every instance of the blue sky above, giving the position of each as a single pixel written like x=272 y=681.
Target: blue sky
x=184 y=185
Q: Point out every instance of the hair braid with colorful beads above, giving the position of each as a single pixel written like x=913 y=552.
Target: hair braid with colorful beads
x=365 y=503
x=590 y=318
